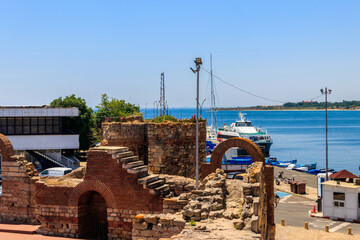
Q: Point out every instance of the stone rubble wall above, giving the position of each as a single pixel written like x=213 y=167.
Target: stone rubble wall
x=17 y=203
x=150 y=226
x=167 y=148
x=178 y=184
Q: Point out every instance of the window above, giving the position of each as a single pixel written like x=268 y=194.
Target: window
x=11 y=126
x=339 y=199
x=3 y=125
x=26 y=125
x=339 y=196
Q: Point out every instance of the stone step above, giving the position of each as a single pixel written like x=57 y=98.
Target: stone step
x=155 y=184
x=163 y=188
x=138 y=170
x=121 y=155
x=129 y=159
x=133 y=164
x=148 y=179
x=111 y=149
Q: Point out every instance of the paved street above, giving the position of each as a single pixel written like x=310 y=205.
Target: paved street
x=294 y=210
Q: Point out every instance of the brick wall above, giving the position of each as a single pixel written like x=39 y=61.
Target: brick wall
x=168 y=148
x=61 y=214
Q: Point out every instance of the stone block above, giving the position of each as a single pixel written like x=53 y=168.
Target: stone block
x=255 y=224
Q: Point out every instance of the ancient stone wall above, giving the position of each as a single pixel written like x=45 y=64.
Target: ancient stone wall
x=168 y=147
x=127 y=134
x=17 y=203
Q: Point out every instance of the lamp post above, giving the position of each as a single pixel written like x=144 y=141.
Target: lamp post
x=201 y=107
x=326 y=92
x=198 y=63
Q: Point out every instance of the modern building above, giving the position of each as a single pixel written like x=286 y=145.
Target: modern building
x=341 y=200
x=37 y=132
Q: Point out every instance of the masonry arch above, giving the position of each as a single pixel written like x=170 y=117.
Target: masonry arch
x=216 y=156
x=92 y=185
x=6 y=148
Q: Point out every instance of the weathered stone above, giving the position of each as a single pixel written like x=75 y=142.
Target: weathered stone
x=239 y=225
x=140 y=226
x=153 y=219
x=255 y=224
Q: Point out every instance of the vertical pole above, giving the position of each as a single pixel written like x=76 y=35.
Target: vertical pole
x=197 y=127
x=326 y=168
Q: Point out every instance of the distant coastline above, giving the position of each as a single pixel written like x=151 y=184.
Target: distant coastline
x=284 y=109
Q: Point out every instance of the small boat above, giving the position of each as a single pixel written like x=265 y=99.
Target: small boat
x=291 y=166
x=285 y=164
x=301 y=169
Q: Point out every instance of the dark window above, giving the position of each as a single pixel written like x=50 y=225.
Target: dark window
x=26 y=125
x=34 y=127
x=49 y=125
x=56 y=125
x=19 y=125
x=339 y=196
x=41 y=125
x=11 y=126
x=3 y=125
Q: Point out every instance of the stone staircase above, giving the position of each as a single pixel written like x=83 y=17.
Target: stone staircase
x=133 y=165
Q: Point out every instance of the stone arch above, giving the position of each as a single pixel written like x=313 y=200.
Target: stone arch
x=216 y=156
x=6 y=148
x=92 y=185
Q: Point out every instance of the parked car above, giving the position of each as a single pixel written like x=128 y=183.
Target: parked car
x=235 y=175
x=55 y=172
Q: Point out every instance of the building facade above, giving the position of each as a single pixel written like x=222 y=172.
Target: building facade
x=37 y=133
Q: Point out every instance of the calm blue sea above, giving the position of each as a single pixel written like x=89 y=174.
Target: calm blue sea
x=299 y=134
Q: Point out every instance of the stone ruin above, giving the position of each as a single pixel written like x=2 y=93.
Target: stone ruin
x=117 y=196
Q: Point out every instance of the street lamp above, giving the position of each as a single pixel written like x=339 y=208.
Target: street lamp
x=201 y=107
x=326 y=92
x=198 y=63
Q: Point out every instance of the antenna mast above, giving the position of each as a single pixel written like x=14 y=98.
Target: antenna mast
x=162 y=95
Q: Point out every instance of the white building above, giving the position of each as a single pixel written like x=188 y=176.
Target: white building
x=341 y=200
x=37 y=132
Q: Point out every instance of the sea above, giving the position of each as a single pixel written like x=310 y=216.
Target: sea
x=298 y=134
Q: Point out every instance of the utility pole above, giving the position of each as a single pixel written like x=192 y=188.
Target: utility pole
x=198 y=63
x=326 y=92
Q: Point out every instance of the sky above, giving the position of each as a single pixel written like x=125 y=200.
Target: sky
x=279 y=50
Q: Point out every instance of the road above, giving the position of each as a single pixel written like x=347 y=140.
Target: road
x=294 y=210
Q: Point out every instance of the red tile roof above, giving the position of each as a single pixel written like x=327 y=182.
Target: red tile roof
x=343 y=174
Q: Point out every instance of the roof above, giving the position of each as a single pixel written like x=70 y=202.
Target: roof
x=340 y=184
x=38 y=111
x=343 y=174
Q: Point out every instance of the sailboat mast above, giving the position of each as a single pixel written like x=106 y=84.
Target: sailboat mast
x=213 y=111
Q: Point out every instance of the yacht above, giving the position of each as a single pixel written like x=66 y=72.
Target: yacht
x=243 y=128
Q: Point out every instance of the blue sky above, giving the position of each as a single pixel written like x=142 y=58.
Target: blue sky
x=282 y=50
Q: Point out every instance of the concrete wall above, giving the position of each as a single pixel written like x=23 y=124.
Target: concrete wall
x=42 y=142
x=38 y=112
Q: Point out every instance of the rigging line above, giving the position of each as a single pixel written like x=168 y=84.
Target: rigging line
x=207 y=85
x=312 y=99
x=254 y=95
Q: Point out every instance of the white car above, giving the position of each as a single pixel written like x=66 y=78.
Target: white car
x=55 y=172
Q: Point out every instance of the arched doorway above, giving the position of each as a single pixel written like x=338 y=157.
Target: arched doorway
x=215 y=161
x=92 y=216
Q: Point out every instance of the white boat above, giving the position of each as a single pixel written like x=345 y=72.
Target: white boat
x=244 y=128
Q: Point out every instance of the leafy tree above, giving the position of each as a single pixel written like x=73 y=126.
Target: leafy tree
x=114 y=109
x=82 y=124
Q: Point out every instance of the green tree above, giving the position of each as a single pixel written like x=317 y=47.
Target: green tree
x=114 y=109
x=82 y=124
